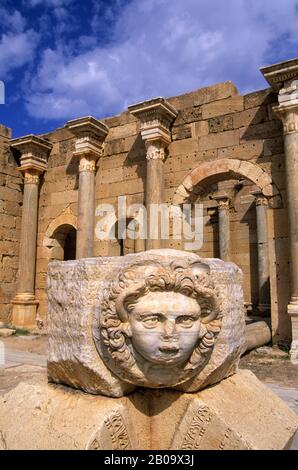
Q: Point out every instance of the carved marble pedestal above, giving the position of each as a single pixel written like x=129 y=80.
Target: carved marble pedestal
x=238 y=413
x=161 y=327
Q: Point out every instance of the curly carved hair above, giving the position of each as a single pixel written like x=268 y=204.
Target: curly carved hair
x=137 y=281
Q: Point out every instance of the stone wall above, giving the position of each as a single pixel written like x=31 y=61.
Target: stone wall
x=10 y=223
x=214 y=124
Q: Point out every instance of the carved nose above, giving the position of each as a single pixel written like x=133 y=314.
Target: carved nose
x=169 y=329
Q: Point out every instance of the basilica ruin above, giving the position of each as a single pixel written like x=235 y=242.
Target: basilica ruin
x=237 y=155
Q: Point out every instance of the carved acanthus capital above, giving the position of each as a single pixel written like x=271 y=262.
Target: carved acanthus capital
x=260 y=199
x=34 y=153
x=87 y=164
x=155 y=150
x=31 y=177
x=283 y=78
x=90 y=135
x=156 y=116
x=288 y=114
x=223 y=201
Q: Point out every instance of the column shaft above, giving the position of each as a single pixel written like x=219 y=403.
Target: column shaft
x=224 y=227
x=263 y=260
x=291 y=161
x=154 y=195
x=34 y=154
x=27 y=256
x=85 y=232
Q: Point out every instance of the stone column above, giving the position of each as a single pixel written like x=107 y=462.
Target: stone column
x=90 y=135
x=263 y=256
x=33 y=162
x=283 y=78
x=156 y=117
x=224 y=226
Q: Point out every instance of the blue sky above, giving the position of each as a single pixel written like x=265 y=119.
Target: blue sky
x=60 y=59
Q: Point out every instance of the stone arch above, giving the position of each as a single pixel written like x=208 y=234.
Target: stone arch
x=211 y=172
x=59 y=231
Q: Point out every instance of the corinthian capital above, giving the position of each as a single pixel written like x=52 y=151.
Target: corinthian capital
x=156 y=118
x=90 y=135
x=34 y=153
x=223 y=201
x=288 y=114
x=283 y=78
x=260 y=199
x=155 y=150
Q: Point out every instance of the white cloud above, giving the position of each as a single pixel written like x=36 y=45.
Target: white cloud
x=16 y=51
x=163 y=48
x=17 y=44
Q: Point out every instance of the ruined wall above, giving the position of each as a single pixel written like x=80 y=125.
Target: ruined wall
x=57 y=208
x=213 y=124
x=10 y=223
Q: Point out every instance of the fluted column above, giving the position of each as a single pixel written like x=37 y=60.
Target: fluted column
x=224 y=226
x=33 y=162
x=263 y=256
x=90 y=135
x=156 y=117
x=283 y=78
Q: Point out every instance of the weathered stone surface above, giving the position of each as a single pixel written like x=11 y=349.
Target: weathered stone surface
x=239 y=413
x=5 y=332
x=99 y=340
x=221 y=107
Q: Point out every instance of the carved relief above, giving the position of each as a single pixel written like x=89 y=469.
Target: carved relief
x=113 y=434
x=201 y=428
x=156 y=325
x=118 y=431
x=261 y=200
x=87 y=165
x=31 y=178
x=197 y=429
x=155 y=151
x=289 y=117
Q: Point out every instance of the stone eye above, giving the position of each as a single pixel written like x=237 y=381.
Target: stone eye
x=186 y=321
x=151 y=322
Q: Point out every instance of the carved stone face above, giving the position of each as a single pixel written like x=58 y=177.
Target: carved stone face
x=158 y=323
x=165 y=327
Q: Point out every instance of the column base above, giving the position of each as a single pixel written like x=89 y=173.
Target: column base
x=293 y=312
x=24 y=310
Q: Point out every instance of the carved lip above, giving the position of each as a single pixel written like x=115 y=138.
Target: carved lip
x=169 y=349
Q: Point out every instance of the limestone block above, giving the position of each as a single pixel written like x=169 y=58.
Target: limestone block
x=261 y=131
x=251 y=117
x=260 y=98
x=221 y=123
x=181 y=132
x=238 y=413
x=199 y=128
x=96 y=345
x=119 y=120
x=273 y=146
x=181 y=147
x=222 y=139
x=8 y=194
x=65 y=196
x=204 y=95
x=221 y=107
x=112 y=175
x=126 y=130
